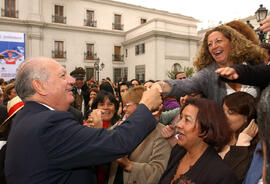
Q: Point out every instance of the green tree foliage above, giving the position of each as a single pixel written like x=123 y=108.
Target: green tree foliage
x=189 y=71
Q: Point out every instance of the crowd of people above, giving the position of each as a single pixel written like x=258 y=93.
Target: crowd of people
x=210 y=128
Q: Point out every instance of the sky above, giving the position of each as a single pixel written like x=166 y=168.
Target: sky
x=209 y=12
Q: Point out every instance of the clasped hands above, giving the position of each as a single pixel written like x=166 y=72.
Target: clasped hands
x=94 y=119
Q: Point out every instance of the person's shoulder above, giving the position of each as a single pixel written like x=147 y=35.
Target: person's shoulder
x=156 y=133
x=36 y=110
x=210 y=68
x=58 y=115
x=220 y=171
x=206 y=72
x=160 y=126
x=216 y=164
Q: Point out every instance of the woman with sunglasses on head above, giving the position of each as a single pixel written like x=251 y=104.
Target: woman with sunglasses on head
x=149 y=160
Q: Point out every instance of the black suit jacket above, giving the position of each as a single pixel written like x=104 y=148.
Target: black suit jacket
x=3 y=113
x=209 y=168
x=77 y=114
x=46 y=146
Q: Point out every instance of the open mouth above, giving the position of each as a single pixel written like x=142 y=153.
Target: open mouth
x=105 y=113
x=218 y=53
x=180 y=135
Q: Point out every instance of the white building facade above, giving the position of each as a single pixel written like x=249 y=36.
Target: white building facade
x=131 y=41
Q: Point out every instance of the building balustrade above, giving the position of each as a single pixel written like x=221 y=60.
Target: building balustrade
x=59 y=54
x=59 y=19
x=91 y=23
x=118 y=57
x=9 y=13
x=118 y=26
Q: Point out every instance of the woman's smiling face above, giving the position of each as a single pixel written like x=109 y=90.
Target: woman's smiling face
x=108 y=109
x=219 y=47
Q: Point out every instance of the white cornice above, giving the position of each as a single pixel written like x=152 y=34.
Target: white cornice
x=12 y=21
x=177 y=58
x=140 y=8
x=9 y=21
x=84 y=29
x=161 y=20
x=155 y=33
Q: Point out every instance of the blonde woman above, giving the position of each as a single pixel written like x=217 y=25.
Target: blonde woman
x=148 y=161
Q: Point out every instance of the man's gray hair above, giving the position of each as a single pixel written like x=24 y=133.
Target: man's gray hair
x=28 y=71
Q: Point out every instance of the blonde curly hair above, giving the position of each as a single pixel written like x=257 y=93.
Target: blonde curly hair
x=242 y=50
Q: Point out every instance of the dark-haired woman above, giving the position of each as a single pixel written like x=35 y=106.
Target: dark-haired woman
x=240 y=109
x=107 y=86
x=122 y=88
x=201 y=130
x=92 y=96
x=108 y=105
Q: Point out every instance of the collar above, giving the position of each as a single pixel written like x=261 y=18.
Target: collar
x=47 y=106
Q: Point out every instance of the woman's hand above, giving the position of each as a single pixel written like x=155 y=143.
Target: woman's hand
x=94 y=119
x=151 y=99
x=251 y=129
x=125 y=163
x=265 y=24
x=246 y=136
x=168 y=131
x=91 y=102
x=228 y=73
x=163 y=87
x=157 y=113
x=120 y=109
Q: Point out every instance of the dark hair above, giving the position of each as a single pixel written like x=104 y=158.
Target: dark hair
x=149 y=81
x=241 y=103
x=178 y=73
x=266 y=46
x=8 y=88
x=106 y=86
x=212 y=121
x=93 y=89
x=263 y=111
x=119 y=88
x=119 y=94
x=2 y=81
x=135 y=80
x=101 y=97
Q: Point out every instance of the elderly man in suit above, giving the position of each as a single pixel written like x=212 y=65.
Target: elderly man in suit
x=46 y=145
